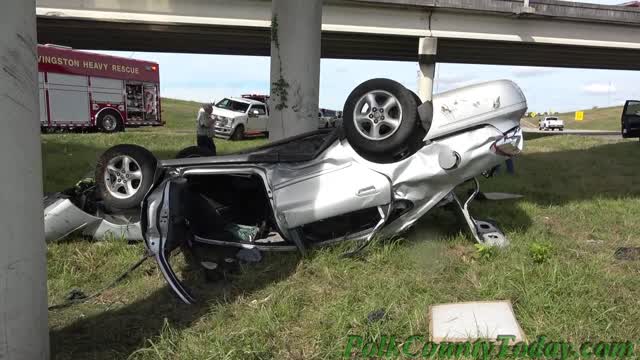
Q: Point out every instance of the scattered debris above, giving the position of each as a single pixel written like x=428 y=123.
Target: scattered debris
x=376 y=315
x=249 y=255
x=208 y=265
x=254 y=303
x=75 y=294
x=473 y=320
x=627 y=253
x=497 y=196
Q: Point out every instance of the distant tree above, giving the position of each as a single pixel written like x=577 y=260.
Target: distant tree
x=594 y=108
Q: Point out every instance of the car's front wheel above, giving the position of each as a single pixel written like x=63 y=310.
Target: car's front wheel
x=381 y=121
x=238 y=133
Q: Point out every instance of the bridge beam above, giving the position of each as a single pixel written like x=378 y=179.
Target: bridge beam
x=427 y=51
x=295 y=67
x=23 y=286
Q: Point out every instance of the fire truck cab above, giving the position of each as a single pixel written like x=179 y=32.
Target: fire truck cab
x=85 y=90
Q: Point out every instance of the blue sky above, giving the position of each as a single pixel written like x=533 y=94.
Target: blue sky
x=211 y=77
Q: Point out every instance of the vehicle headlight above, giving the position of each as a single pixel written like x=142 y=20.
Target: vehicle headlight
x=221 y=121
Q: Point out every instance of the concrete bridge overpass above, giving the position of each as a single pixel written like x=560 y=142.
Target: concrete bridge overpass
x=547 y=33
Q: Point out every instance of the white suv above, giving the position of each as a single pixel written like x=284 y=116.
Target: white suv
x=551 y=123
x=237 y=117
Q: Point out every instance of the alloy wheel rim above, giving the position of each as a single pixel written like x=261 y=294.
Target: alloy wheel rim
x=377 y=115
x=123 y=177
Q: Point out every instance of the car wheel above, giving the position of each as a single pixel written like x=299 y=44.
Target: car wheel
x=194 y=151
x=110 y=122
x=238 y=133
x=381 y=121
x=124 y=175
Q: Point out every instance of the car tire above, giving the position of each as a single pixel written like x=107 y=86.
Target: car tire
x=194 y=151
x=110 y=122
x=390 y=141
x=238 y=133
x=124 y=174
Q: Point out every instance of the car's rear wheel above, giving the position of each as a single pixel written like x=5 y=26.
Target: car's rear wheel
x=381 y=121
x=124 y=174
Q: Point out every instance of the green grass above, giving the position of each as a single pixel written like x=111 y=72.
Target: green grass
x=581 y=203
x=607 y=118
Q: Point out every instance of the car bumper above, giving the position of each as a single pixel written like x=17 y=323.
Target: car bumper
x=223 y=132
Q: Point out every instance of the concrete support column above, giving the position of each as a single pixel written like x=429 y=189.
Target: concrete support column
x=295 y=67
x=427 y=50
x=23 y=283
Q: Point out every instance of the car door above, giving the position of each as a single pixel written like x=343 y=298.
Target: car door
x=631 y=119
x=257 y=118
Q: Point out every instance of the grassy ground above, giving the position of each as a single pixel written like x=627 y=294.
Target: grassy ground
x=581 y=203
x=595 y=119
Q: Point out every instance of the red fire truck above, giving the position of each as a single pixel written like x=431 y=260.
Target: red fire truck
x=79 y=89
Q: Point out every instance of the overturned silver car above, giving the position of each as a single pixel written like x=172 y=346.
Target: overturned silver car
x=392 y=160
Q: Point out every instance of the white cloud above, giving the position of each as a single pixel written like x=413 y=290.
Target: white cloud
x=599 y=88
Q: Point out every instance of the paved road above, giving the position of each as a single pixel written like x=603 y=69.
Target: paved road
x=573 y=132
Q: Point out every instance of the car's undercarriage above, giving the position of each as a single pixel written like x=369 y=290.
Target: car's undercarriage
x=390 y=163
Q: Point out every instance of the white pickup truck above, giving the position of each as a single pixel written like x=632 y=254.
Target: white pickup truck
x=237 y=117
x=551 y=123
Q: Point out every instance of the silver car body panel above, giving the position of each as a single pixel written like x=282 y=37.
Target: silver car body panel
x=340 y=181
x=324 y=188
x=62 y=217
x=495 y=102
x=467 y=126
